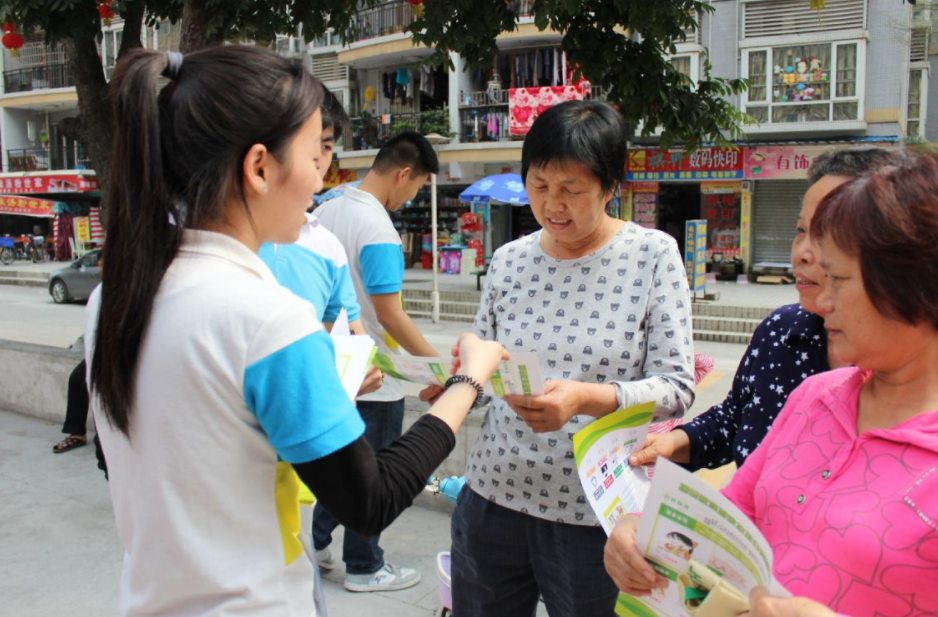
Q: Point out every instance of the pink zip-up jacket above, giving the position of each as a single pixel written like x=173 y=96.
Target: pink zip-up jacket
x=851 y=519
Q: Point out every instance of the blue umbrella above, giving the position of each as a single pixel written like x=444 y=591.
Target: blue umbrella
x=505 y=188
x=334 y=192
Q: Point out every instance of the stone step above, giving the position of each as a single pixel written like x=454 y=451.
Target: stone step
x=12 y=272
x=22 y=281
x=740 y=338
x=450 y=317
x=418 y=305
x=705 y=309
x=472 y=297
x=726 y=324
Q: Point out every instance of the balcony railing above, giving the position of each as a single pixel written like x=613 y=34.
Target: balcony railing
x=382 y=20
x=523 y=8
x=48 y=159
x=373 y=132
x=38 y=78
x=483 y=115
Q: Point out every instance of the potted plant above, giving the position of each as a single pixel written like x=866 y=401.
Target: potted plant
x=436 y=121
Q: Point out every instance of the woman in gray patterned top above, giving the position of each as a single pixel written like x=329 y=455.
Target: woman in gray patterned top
x=605 y=303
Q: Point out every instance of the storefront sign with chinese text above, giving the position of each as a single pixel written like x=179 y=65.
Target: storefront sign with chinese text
x=26 y=206
x=702 y=164
x=83 y=228
x=336 y=176
x=781 y=162
x=50 y=183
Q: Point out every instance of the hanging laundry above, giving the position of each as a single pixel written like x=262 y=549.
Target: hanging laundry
x=525 y=104
x=386 y=85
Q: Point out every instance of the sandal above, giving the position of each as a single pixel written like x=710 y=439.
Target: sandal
x=70 y=443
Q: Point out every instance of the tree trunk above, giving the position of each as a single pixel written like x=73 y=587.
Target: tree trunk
x=97 y=123
x=197 y=31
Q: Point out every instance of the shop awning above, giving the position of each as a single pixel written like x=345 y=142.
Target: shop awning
x=27 y=206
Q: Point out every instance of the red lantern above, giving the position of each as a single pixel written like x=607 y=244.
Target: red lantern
x=414 y=2
x=106 y=11
x=12 y=39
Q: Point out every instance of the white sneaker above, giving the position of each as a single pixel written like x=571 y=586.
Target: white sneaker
x=388 y=578
x=325 y=559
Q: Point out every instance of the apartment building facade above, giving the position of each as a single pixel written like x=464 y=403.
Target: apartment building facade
x=856 y=72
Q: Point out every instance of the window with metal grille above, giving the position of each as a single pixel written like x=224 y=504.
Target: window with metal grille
x=763 y=18
x=918 y=45
x=915 y=110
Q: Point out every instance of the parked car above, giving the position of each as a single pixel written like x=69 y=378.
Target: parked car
x=76 y=281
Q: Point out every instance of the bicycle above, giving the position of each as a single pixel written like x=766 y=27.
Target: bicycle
x=7 y=250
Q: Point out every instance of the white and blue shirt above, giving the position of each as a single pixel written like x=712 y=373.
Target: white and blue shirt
x=376 y=263
x=236 y=380
x=315 y=268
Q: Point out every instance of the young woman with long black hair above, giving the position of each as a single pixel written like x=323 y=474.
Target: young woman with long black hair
x=215 y=389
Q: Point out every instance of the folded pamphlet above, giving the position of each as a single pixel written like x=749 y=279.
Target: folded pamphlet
x=711 y=553
x=353 y=356
x=601 y=450
x=520 y=375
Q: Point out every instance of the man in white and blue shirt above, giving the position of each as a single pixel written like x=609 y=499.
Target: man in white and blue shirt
x=360 y=219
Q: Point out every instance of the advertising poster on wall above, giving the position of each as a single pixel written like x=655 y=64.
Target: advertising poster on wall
x=695 y=255
x=645 y=203
x=721 y=202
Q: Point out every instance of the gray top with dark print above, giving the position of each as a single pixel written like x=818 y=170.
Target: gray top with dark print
x=619 y=314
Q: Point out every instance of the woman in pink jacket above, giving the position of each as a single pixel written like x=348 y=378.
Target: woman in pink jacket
x=845 y=485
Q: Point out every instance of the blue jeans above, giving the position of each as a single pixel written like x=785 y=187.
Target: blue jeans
x=503 y=560
x=383 y=424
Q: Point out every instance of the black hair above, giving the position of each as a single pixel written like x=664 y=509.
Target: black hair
x=850 y=163
x=333 y=114
x=177 y=161
x=407 y=149
x=586 y=132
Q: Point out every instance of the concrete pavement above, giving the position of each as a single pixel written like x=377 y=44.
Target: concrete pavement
x=59 y=551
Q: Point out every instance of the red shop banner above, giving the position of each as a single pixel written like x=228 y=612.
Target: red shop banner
x=702 y=164
x=50 y=183
x=26 y=206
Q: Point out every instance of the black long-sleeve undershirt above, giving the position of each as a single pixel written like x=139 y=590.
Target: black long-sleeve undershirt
x=366 y=491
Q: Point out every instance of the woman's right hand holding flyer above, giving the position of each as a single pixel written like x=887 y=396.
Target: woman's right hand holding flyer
x=625 y=564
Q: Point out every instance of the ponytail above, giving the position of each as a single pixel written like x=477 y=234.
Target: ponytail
x=177 y=162
x=142 y=234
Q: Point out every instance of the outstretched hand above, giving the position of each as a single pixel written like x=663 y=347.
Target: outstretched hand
x=656 y=444
x=477 y=358
x=374 y=379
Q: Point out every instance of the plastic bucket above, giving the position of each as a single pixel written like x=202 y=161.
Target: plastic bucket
x=445 y=584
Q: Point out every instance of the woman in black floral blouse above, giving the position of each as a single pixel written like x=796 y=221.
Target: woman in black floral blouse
x=786 y=348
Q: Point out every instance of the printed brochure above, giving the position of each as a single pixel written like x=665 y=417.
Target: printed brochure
x=601 y=450
x=710 y=551
x=353 y=356
x=520 y=375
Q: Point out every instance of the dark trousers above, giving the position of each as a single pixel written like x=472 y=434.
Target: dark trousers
x=503 y=560
x=76 y=411
x=383 y=424
x=76 y=406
